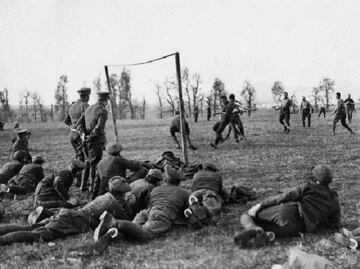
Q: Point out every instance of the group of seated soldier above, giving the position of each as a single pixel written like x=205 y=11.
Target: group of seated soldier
x=148 y=203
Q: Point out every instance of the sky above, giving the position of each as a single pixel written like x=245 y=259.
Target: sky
x=296 y=42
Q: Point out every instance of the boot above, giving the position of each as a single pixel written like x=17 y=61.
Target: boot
x=104 y=241
x=85 y=177
x=92 y=177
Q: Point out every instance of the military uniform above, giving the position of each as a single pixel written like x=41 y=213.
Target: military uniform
x=9 y=170
x=299 y=210
x=305 y=108
x=341 y=115
x=350 y=107
x=27 y=179
x=92 y=124
x=284 y=117
x=111 y=166
x=53 y=190
x=76 y=109
x=21 y=144
x=175 y=126
x=141 y=190
x=196 y=113
x=67 y=221
x=207 y=187
x=219 y=127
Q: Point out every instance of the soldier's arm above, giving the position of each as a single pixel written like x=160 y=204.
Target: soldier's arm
x=295 y=195
x=80 y=124
x=130 y=164
x=60 y=188
x=67 y=119
x=101 y=121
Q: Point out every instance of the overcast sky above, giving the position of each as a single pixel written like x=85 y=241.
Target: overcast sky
x=296 y=42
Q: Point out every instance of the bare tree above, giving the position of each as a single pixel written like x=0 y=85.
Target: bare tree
x=327 y=86
x=277 y=91
x=61 y=96
x=201 y=101
x=97 y=87
x=125 y=92
x=196 y=79
x=248 y=92
x=143 y=109
x=185 y=79
x=171 y=98
x=36 y=100
x=26 y=97
x=159 y=96
x=315 y=95
x=218 y=89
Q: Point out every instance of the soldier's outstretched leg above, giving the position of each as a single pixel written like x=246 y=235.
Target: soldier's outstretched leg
x=343 y=122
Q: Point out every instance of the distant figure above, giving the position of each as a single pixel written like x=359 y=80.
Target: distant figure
x=322 y=109
x=196 y=113
x=340 y=114
x=305 y=110
x=284 y=118
x=13 y=134
x=175 y=128
x=208 y=110
x=2 y=125
x=350 y=107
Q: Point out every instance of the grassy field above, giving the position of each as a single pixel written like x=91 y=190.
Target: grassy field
x=267 y=161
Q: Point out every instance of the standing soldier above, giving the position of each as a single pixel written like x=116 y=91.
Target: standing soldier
x=91 y=126
x=285 y=113
x=340 y=114
x=76 y=109
x=322 y=109
x=305 y=110
x=350 y=107
x=196 y=113
x=208 y=110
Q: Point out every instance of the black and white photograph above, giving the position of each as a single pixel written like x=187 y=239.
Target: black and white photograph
x=180 y=134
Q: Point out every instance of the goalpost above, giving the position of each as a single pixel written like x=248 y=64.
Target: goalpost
x=181 y=102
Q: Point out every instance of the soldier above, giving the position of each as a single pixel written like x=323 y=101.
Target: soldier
x=350 y=107
x=13 y=135
x=91 y=126
x=340 y=114
x=22 y=143
x=284 y=118
x=175 y=128
x=305 y=110
x=76 y=109
x=208 y=192
x=208 y=111
x=12 y=168
x=322 y=109
x=166 y=207
x=196 y=113
x=115 y=165
x=300 y=210
x=142 y=188
x=68 y=221
x=235 y=120
x=53 y=190
x=28 y=178
x=219 y=127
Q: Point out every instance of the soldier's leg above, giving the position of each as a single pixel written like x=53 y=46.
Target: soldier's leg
x=336 y=119
x=303 y=117
x=173 y=135
x=233 y=127
x=10 y=228
x=343 y=122
x=132 y=231
x=309 y=119
x=18 y=190
x=85 y=176
x=281 y=120
x=220 y=129
x=21 y=236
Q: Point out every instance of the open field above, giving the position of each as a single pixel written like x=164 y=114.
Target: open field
x=268 y=161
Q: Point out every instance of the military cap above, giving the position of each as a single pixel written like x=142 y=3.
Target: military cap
x=155 y=173
x=323 y=174
x=84 y=90
x=232 y=96
x=23 y=131
x=76 y=165
x=38 y=160
x=103 y=96
x=16 y=124
x=168 y=154
x=19 y=155
x=209 y=166
x=118 y=184
x=172 y=176
x=113 y=148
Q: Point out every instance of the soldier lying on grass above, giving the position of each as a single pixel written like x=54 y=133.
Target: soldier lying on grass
x=12 y=168
x=68 y=221
x=27 y=179
x=53 y=190
x=166 y=207
x=297 y=211
x=116 y=165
